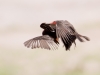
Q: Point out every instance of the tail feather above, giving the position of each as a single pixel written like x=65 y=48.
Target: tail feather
x=79 y=37
x=85 y=37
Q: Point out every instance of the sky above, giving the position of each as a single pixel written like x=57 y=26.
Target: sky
x=33 y=12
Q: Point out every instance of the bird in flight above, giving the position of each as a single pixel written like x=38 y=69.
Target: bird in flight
x=59 y=29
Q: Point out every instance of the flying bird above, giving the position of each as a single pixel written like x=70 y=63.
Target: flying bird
x=59 y=29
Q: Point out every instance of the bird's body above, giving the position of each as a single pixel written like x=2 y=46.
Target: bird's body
x=52 y=32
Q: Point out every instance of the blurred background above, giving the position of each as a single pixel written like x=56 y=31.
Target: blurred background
x=20 y=20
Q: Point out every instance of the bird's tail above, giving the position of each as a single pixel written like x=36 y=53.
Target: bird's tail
x=79 y=37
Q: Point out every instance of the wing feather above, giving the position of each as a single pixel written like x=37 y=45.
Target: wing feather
x=44 y=42
x=64 y=30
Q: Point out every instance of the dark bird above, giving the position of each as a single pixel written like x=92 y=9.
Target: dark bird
x=51 y=34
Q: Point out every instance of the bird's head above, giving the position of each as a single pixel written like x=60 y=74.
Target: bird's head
x=42 y=25
x=46 y=27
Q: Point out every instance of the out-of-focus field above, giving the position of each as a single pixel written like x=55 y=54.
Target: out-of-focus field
x=20 y=20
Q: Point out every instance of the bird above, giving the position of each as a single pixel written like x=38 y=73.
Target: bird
x=52 y=32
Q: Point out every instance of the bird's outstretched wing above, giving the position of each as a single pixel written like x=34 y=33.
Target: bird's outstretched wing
x=45 y=42
x=65 y=29
x=66 y=32
x=69 y=26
